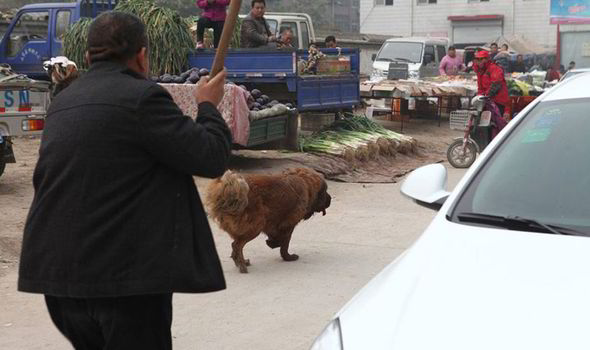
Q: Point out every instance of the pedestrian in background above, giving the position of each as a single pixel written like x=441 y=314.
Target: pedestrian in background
x=519 y=66
x=493 y=50
x=502 y=59
x=451 y=64
x=213 y=16
x=116 y=224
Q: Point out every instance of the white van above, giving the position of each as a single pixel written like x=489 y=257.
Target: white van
x=423 y=56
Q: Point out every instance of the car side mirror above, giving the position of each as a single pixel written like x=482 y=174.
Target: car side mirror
x=426 y=185
x=373 y=57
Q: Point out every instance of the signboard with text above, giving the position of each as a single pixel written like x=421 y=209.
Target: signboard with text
x=570 y=12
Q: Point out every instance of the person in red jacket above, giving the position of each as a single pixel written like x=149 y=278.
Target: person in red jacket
x=213 y=16
x=490 y=81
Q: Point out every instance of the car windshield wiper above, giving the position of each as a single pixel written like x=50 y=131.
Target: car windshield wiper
x=518 y=223
x=403 y=59
x=384 y=59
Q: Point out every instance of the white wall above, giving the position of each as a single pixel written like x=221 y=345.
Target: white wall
x=531 y=18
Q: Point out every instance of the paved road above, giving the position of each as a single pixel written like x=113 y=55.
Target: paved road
x=278 y=305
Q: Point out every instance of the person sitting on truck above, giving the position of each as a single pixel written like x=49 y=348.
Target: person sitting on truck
x=213 y=16
x=255 y=31
x=330 y=42
x=451 y=64
x=285 y=40
x=116 y=224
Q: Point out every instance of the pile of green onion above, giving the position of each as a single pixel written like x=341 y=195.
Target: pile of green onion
x=356 y=137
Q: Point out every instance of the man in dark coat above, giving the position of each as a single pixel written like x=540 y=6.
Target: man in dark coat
x=255 y=31
x=116 y=224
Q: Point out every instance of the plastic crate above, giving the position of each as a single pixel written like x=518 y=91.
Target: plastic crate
x=458 y=119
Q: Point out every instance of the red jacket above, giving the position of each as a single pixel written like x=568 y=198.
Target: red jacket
x=486 y=76
x=215 y=11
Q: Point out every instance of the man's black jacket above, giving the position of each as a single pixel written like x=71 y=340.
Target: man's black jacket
x=116 y=211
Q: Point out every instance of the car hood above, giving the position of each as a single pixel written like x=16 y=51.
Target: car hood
x=467 y=287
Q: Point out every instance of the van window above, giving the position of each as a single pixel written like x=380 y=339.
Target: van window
x=429 y=54
x=61 y=24
x=442 y=52
x=31 y=26
x=410 y=52
x=293 y=27
x=304 y=35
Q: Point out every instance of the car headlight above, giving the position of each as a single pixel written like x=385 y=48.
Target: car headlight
x=331 y=337
x=377 y=74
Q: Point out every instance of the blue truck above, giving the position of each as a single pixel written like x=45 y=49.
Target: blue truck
x=36 y=33
x=275 y=73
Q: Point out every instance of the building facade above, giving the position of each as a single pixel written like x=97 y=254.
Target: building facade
x=464 y=22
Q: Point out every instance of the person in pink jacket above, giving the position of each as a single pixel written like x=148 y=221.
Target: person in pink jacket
x=451 y=64
x=213 y=16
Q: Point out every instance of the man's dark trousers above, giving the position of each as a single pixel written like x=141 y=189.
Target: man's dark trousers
x=134 y=322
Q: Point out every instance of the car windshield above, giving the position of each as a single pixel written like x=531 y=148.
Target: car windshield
x=400 y=51
x=541 y=171
x=570 y=73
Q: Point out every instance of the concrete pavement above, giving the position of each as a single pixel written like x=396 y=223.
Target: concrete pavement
x=278 y=305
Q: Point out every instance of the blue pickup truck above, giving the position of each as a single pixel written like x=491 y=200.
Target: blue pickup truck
x=275 y=73
x=36 y=33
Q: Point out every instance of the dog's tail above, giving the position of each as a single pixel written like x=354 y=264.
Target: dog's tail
x=227 y=195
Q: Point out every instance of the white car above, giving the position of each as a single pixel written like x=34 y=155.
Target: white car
x=573 y=72
x=505 y=264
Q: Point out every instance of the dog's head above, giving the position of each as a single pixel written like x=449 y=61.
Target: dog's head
x=316 y=190
x=321 y=202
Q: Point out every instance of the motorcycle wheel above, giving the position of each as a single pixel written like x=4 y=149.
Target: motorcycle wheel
x=459 y=158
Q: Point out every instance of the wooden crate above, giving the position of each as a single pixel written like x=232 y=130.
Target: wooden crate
x=267 y=130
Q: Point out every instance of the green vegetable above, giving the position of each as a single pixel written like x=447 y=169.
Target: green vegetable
x=357 y=137
x=168 y=34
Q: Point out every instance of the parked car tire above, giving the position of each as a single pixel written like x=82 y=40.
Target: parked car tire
x=456 y=156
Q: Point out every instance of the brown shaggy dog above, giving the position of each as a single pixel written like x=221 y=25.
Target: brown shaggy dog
x=247 y=205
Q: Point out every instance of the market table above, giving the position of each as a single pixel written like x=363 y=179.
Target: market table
x=405 y=89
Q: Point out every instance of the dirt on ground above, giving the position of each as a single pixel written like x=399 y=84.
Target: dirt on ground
x=16 y=188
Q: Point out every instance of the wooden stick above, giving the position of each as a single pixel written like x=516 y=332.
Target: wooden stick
x=226 y=36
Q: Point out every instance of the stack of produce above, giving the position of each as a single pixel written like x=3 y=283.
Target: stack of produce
x=357 y=138
x=191 y=76
x=169 y=36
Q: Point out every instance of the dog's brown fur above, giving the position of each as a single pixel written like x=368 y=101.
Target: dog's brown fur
x=247 y=205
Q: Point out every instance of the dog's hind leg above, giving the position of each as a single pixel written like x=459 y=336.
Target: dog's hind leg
x=286 y=239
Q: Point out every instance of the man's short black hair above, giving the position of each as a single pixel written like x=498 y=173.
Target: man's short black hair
x=493 y=44
x=506 y=46
x=115 y=36
x=330 y=38
x=451 y=48
x=573 y=62
x=260 y=1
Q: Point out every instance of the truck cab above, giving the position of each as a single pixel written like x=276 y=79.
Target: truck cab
x=36 y=33
x=423 y=56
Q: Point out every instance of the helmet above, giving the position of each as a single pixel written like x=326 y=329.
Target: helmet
x=482 y=54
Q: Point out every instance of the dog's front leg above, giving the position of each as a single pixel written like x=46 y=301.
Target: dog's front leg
x=285 y=246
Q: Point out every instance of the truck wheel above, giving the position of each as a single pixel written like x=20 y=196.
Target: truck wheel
x=2 y=166
x=459 y=157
